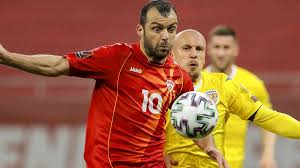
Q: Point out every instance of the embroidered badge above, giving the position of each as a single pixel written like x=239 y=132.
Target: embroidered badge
x=170 y=85
x=213 y=95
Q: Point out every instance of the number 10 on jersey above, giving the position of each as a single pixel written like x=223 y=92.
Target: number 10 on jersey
x=148 y=102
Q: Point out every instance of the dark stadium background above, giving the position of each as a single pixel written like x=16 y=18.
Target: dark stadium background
x=268 y=33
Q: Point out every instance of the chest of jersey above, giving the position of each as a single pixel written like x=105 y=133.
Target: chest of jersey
x=148 y=88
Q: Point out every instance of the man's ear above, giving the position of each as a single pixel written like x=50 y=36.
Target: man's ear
x=139 y=30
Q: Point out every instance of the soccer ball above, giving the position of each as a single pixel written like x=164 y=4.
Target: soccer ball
x=194 y=115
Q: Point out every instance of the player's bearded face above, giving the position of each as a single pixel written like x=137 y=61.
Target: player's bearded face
x=222 y=51
x=159 y=34
x=157 y=49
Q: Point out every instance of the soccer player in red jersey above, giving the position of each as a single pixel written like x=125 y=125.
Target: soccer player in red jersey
x=135 y=85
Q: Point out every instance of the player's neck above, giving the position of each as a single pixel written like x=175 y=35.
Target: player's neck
x=151 y=59
x=198 y=82
x=198 y=78
x=227 y=71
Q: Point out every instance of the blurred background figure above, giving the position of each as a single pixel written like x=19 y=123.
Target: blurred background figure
x=223 y=49
x=44 y=136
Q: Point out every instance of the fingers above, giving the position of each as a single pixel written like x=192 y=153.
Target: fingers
x=169 y=161
x=168 y=164
x=225 y=164
x=219 y=161
x=218 y=157
x=174 y=162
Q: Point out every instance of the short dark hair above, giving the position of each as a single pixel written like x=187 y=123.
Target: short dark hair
x=222 y=30
x=164 y=7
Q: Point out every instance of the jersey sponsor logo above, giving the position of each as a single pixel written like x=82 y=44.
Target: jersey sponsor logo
x=136 y=70
x=170 y=85
x=213 y=95
x=84 y=54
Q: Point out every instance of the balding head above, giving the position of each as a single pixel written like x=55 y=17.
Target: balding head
x=189 y=34
x=189 y=51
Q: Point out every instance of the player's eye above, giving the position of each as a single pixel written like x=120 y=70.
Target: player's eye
x=156 y=29
x=217 y=46
x=186 y=47
x=199 y=48
x=172 y=29
x=226 y=47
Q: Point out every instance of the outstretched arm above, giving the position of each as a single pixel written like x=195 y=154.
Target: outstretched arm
x=276 y=122
x=41 y=64
x=247 y=107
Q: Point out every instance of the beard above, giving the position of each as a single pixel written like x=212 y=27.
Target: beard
x=158 y=52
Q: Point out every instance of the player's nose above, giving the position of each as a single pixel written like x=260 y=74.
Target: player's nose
x=165 y=34
x=193 y=53
x=220 y=53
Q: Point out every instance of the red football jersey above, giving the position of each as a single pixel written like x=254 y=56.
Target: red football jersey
x=128 y=110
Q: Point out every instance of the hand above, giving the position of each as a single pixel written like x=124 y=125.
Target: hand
x=169 y=161
x=3 y=52
x=215 y=154
x=268 y=162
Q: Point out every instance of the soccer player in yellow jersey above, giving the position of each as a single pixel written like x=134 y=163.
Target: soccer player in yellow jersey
x=230 y=97
x=223 y=49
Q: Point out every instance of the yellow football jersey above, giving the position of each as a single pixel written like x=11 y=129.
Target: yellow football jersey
x=227 y=95
x=236 y=128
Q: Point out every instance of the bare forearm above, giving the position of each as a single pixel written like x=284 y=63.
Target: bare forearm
x=205 y=142
x=268 y=141
x=268 y=154
x=43 y=64
x=208 y=145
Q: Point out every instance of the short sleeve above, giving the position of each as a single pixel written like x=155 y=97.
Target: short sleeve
x=241 y=101
x=99 y=63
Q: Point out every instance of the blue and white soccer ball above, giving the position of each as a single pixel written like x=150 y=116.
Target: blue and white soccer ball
x=194 y=115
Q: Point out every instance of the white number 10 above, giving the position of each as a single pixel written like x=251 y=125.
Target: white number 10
x=148 y=102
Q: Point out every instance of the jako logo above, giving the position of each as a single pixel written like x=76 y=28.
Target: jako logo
x=136 y=70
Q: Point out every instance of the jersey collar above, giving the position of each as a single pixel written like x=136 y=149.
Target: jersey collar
x=198 y=84
x=231 y=75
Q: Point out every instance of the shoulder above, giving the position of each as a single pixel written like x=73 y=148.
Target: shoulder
x=173 y=65
x=215 y=77
x=247 y=77
x=182 y=78
x=247 y=74
x=177 y=69
x=113 y=49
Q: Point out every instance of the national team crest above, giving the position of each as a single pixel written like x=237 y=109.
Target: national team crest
x=170 y=85
x=213 y=95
